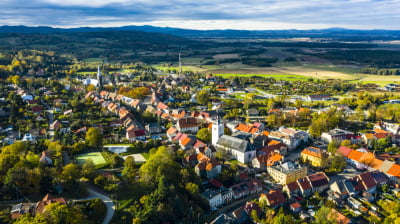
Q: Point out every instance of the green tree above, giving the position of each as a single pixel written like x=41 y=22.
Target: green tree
x=94 y=138
x=204 y=135
x=129 y=171
x=321 y=216
x=88 y=167
x=346 y=143
x=332 y=147
x=336 y=163
x=70 y=173
x=203 y=97
x=56 y=213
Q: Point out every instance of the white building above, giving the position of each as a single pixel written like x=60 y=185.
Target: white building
x=239 y=149
x=217 y=131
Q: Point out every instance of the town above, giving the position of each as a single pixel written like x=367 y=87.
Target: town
x=148 y=146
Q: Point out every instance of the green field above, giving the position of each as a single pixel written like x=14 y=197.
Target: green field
x=96 y=157
x=275 y=76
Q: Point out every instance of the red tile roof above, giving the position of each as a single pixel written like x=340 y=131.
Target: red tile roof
x=276 y=198
x=368 y=180
x=344 y=151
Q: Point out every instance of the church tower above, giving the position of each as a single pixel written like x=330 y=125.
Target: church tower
x=99 y=77
x=217 y=131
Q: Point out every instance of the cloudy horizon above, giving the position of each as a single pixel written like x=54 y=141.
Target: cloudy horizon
x=205 y=15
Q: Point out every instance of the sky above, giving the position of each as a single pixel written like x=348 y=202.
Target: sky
x=205 y=14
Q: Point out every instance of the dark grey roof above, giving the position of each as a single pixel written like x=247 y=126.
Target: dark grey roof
x=235 y=143
x=224 y=219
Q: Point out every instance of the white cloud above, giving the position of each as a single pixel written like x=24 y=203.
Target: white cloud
x=261 y=14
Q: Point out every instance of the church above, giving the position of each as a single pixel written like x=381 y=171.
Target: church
x=98 y=82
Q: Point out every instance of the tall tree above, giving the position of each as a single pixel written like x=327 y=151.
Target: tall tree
x=129 y=171
x=94 y=138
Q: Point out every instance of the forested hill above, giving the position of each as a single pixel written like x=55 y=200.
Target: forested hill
x=114 y=45
x=339 y=34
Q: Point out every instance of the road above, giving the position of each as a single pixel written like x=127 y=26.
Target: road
x=229 y=208
x=107 y=201
x=268 y=95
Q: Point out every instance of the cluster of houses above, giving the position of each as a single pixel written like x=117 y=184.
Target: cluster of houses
x=21 y=209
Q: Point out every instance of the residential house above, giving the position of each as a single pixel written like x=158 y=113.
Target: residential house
x=29 y=137
x=40 y=207
x=37 y=109
x=394 y=172
x=343 y=188
x=295 y=207
x=213 y=197
x=189 y=124
x=354 y=158
x=314 y=156
x=171 y=132
x=274 y=198
x=153 y=128
x=224 y=219
x=274 y=146
x=21 y=209
x=291 y=137
x=252 y=206
x=292 y=189
x=132 y=135
x=55 y=125
x=319 y=182
x=367 y=181
x=238 y=148
x=338 y=217
x=46 y=158
x=240 y=215
x=343 y=151
x=260 y=162
x=287 y=172
x=240 y=190
x=338 y=135
x=187 y=142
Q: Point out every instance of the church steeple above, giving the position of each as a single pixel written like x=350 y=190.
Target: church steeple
x=99 y=77
x=217 y=130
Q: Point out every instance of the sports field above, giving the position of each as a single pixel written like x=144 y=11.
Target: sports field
x=96 y=157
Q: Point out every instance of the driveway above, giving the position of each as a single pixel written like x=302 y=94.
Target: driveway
x=107 y=201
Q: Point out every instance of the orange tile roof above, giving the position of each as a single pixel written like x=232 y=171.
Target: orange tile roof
x=273 y=159
x=201 y=157
x=274 y=142
x=266 y=133
x=171 y=130
x=369 y=136
x=376 y=163
x=312 y=151
x=355 y=155
x=377 y=130
x=185 y=141
x=394 y=170
x=367 y=158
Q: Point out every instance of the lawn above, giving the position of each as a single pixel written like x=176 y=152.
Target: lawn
x=275 y=76
x=96 y=157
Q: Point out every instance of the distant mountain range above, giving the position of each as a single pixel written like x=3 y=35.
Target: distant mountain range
x=333 y=33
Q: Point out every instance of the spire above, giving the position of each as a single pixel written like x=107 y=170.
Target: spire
x=99 y=77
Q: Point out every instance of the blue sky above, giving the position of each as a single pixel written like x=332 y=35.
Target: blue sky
x=205 y=14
